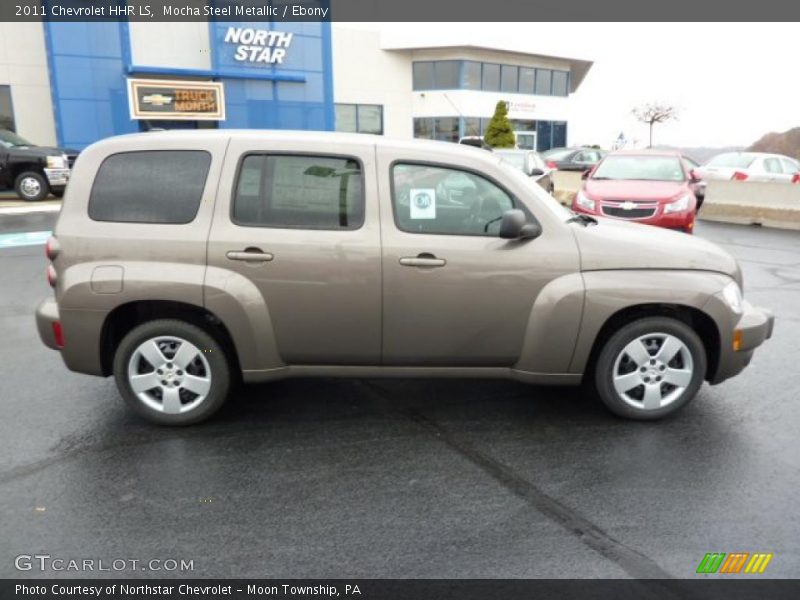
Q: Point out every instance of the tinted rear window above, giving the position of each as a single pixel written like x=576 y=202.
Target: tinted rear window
x=151 y=186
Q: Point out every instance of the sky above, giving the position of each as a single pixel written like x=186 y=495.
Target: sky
x=731 y=82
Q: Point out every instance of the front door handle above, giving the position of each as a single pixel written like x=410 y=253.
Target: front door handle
x=249 y=255
x=425 y=259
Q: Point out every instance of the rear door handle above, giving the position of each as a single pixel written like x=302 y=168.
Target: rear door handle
x=249 y=255
x=424 y=259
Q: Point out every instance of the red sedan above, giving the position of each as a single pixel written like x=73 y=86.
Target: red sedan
x=655 y=188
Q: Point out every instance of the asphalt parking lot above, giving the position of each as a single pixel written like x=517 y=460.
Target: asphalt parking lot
x=411 y=479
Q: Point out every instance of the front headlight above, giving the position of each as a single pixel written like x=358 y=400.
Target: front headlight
x=733 y=296
x=680 y=205
x=57 y=162
x=584 y=201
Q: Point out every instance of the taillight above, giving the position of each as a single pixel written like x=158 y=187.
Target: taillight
x=551 y=165
x=796 y=178
x=739 y=176
x=52 y=248
x=52 y=277
x=58 y=334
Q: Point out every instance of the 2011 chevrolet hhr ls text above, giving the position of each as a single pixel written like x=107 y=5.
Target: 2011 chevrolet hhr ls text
x=182 y=261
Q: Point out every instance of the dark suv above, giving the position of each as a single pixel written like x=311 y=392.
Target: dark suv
x=33 y=171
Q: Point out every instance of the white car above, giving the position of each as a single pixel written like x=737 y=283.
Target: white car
x=751 y=166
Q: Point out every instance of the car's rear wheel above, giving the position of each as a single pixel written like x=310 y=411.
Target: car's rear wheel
x=172 y=372
x=31 y=186
x=650 y=368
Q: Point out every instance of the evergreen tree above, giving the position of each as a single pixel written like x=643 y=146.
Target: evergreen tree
x=499 y=132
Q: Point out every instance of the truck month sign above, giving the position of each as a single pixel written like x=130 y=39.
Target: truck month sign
x=179 y=100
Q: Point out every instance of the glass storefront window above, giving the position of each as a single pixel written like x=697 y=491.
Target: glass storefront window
x=559 y=134
x=544 y=79
x=346 y=117
x=491 y=77
x=472 y=126
x=423 y=128
x=508 y=78
x=447 y=75
x=370 y=118
x=527 y=77
x=560 y=80
x=423 y=75
x=472 y=75
x=6 y=109
x=446 y=129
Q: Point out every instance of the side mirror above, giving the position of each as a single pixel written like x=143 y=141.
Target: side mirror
x=515 y=226
x=536 y=172
x=694 y=177
x=586 y=173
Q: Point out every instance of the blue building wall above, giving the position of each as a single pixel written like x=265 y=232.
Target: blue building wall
x=89 y=64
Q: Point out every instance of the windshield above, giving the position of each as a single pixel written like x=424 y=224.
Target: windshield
x=737 y=160
x=515 y=159
x=540 y=196
x=10 y=139
x=640 y=168
x=558 y=153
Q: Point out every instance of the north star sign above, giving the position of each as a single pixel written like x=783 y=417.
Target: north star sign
x=258 y=45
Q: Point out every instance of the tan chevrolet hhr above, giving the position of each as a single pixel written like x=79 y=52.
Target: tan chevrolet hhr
x=183 y=260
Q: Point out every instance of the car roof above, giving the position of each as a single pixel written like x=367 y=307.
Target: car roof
x=647 y=152
x=283 y=135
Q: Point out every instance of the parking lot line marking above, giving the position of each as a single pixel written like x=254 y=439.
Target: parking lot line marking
x=21 y=210
x=28 y=238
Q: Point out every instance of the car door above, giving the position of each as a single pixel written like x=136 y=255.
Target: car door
x=454 y=293
x=299 y=221
x=773 y=170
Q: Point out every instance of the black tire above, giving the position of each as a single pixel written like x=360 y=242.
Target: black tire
x=23 y=191
x=700 y=200
x=607 y=362
x=213 y=353
x=58 y=192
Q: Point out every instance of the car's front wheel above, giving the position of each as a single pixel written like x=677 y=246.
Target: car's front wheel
x=172 y=372
x=650 y=368
x=31 y=186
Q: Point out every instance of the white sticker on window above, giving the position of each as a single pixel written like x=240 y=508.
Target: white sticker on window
x=423 y=203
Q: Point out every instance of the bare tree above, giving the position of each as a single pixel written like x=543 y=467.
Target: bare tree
x=655 y=112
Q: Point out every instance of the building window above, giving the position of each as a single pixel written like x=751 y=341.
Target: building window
x=472 y=75
x=560 y=83
x=446 y=129
x=544 y=80
x=423 y=128
x=423 y=76
x=491 y=78
x=299 y=192
x=359 y=118
x=508 y=79
x=6 y=109
x=527 y=77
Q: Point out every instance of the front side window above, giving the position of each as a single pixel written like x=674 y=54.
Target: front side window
x=772 y=165
x=790 y=166
x=151 y=186
x=440 y=200
x=299 y=192
x=6 y=109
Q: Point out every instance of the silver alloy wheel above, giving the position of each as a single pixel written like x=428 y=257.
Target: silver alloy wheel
x=653 y=371
x=30 y=187
x=169 y=374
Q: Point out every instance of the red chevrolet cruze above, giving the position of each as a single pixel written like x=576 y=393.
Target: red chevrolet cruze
x=651 y=187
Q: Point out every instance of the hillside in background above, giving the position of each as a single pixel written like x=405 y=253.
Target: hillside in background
x=787 y=143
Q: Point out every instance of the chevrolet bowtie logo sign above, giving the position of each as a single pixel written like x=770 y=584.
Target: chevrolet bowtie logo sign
x=733 y=563
x=628 y=206
x=157 y=99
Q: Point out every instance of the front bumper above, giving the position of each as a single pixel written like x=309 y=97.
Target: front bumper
x=681 y=221
x=57 y=177
x=753 y=327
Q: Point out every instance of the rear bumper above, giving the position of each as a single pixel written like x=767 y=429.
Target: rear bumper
x=46 y=315
x=753 y=328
